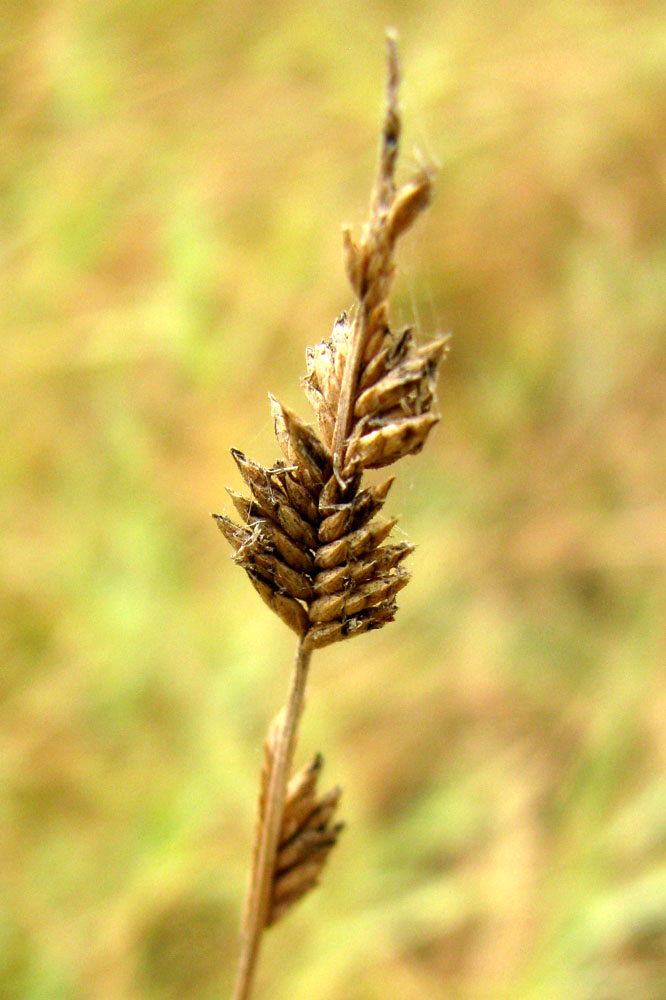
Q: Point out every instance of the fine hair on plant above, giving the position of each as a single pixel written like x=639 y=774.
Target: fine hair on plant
x=309 y=536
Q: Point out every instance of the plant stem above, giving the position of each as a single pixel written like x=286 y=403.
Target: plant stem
x=261 y=879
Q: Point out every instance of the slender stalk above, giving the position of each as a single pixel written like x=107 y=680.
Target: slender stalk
x=262 y=874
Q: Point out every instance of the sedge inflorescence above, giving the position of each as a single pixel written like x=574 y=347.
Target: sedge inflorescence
x=310 y=535
x=310 y=539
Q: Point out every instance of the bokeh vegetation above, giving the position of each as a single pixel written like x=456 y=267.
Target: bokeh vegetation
x=173 y=179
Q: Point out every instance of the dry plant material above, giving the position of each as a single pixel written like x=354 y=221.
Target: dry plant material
x=310 y=538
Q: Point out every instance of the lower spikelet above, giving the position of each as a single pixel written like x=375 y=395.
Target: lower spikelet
x=307 y=832
x=307 y=836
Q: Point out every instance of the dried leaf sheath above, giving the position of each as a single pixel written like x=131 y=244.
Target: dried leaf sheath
x=310 y=534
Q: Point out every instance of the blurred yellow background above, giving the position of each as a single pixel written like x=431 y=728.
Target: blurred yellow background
x=173 y=181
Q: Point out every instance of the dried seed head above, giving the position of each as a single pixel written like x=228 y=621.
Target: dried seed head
x=310 y=538
x=307 y=833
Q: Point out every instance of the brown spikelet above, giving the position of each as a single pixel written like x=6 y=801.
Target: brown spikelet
x=307 y=833
x=306 y=839
x=373 y=394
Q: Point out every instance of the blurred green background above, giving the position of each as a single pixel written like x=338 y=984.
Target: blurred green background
x=173 y=178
